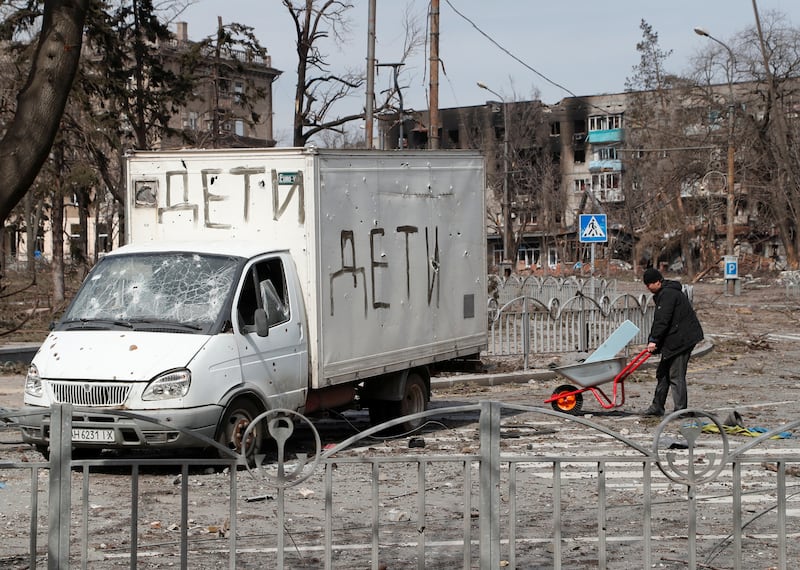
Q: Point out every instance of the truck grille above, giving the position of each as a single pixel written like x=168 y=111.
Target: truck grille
x=90 y=394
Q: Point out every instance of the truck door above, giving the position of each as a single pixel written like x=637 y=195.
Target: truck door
x=277 y=363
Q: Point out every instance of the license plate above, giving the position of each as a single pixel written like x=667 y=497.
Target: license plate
x=93 y=435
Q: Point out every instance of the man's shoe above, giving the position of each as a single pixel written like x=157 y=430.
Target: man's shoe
x=653 y=412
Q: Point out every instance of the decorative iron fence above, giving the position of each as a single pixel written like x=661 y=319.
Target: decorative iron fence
x=544 y=289
x=574 y=494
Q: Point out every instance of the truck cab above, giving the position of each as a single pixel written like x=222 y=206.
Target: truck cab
x=194 y=336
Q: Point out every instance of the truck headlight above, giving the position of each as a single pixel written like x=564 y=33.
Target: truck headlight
x=33 y=382
x=173 y=384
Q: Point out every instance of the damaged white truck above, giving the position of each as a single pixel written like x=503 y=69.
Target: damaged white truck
x=258 y=279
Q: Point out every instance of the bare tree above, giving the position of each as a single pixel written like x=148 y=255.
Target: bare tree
x=770 y=53
x=529 y=171
x=318 y=90
x=763 y=94
x=536 y=204
x=661 y=159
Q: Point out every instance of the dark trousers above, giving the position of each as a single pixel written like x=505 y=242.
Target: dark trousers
x=671 y=374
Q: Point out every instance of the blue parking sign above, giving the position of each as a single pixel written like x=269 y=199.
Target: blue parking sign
x=593 y=228
x=731 y=267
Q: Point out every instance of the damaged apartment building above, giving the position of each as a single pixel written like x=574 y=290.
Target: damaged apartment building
x=660 y=180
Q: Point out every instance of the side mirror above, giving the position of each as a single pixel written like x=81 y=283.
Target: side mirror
x=262 y=323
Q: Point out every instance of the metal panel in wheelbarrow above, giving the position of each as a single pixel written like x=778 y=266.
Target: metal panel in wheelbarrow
x=586 y=374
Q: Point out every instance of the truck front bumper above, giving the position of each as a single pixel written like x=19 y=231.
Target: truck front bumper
x=118 y=429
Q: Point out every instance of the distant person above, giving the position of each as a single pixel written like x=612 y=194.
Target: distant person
x=507 y=272
x=675 y=332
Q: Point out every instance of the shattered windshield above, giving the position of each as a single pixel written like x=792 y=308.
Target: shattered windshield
x=128 y=291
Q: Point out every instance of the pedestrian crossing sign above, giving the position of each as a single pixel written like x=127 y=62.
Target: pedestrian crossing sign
x=593 y=228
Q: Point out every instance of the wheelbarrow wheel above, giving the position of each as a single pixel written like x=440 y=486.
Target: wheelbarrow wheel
x=570 y=404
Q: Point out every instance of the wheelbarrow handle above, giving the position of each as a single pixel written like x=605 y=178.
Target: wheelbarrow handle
x=631 y=367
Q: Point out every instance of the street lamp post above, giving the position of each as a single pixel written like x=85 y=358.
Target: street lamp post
x=508 y=244
x=731 y=121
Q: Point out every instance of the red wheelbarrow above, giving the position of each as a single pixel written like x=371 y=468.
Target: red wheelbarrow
x=589 y=376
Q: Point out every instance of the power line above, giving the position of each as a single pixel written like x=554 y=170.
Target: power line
x=589 y=103
x=518 y=60
x=508 y=53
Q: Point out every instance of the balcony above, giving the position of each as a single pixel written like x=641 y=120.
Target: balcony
x=605 y=136
x=609 y=195
x=608 y=165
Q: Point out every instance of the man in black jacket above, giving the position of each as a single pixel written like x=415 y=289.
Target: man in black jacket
x=675 y=332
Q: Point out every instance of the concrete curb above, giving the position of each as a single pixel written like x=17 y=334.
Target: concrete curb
x=539 y=374
x=19 y=352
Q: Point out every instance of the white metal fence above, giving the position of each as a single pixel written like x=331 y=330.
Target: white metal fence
x=526 y=326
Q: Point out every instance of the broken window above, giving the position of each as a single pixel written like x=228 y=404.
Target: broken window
x=580 y=184
x=265 y=288
x=607 y=153
x=605 y=122
x=174 y=287
x=605 y=181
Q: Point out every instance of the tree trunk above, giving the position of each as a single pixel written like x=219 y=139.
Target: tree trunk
x=57 y=233
x=57 y=227
x=33 y=216
x=41 y=102
x=82 y=195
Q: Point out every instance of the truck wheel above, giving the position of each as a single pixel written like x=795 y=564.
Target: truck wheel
x=415 y=399
x=237 y=417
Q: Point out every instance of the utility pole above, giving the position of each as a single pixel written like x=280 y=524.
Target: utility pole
x=370 y=106
x=433 y=112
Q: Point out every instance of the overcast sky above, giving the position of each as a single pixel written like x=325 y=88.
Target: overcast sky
x=584 y=46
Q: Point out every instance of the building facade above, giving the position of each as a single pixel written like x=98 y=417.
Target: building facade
x=660 y=180
x=238 y=77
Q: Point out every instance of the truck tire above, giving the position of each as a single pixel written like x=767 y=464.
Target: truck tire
x=415 y=400
x=238 y=415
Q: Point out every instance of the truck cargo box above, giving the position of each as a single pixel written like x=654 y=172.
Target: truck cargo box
x=390 y=247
